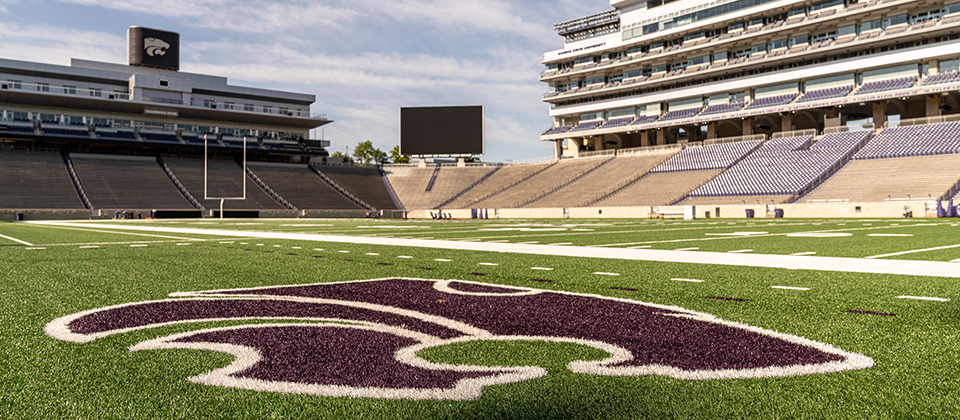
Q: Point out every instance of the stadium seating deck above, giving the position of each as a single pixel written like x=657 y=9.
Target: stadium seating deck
x=225 y=180
x=683 y=113
x=596 y=183
x=300 y=186
x=657 y=188
x=871 y=180
x=828 y=93
x=65 y=132
x=35 y=180
x=721 y=108
x=939 y=79
x=449 y=182
x=117 y=182
x=545 y=181
x=739 y=199
x=160 y=138
x=885 y=85
x=771 y=101
x=711 y=156
x=365 y=183
x=506 y=177
x=914 y=140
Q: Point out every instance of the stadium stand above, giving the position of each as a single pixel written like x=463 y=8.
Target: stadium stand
x=363 y=182
x=505 y=178
x=117 y=135
x=540 y=183
x=225 y=180
x=118 y=182
x=35 y=180
x=558 y=130
x=595 y=184
x=872 y=180
x=65 y=132
x=829 y=93
x=589 y=125
x=885 y=85
x=617 y=122
x=722 y=108
x=676 y=115
x=942 y=78
x=159 y=138
x=771 y=101
x=657 y=188
x=913 y=140
x=449 y=182
x=297 y=184
x=711 y=156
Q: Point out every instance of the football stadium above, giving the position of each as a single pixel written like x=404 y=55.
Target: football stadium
x=750 y=212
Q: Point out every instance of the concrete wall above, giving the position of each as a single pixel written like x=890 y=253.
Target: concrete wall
x=47 y=214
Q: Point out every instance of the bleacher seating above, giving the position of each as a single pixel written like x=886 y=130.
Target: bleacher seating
x=198 y=141
x=411 y=184
x=783 y=166
x=589 y=125
x=900 y=178
x=914 y=140
x=20 y=129
x=547 y=180
x=657 y=188
x=942 y=78
x=35 y=180
x=885 y=85
x=119 y=182
x=683 y=113
x=65 y=132
x=300 y=186
x=644 y=119
x=828 y=93
x=504 y=178
x=771 y=101
x=595 y=184
x=159 y=138
x=363 y=182
x=711 y=156
x=117 y=135
x=558 y=130
x=722 y=108
x=617 y=122
x=225 y=179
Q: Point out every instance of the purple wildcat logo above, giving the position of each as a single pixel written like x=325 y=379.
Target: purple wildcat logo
x=362 y=338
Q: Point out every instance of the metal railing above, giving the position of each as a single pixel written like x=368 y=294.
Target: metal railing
x=723 y=140
x=795 y=133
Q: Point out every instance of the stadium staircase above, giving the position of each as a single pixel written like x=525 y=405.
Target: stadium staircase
x=433 y=179
x=76 y=180
x=266 y=188
x=183 y=190
x=342 y=191
x=565 y=184
x=830 y=172
x=390 y=190
x=683 y=196
x=470 y=187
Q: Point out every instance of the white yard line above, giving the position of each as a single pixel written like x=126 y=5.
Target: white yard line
x=912 y=251
x=16 y=240
x=836 y=264
x=935 y=299
x=790 y=288
x=688 y=280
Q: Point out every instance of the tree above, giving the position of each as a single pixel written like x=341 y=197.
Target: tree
x=396 y=157
x=365 y=152
x=341 y=156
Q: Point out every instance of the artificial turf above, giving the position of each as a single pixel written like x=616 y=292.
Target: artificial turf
x=914 y=375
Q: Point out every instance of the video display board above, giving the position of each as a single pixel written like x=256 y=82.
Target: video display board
x=441 y=131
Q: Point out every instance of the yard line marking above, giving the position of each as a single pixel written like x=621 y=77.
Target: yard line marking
x=790 y=288
x=687 y=249
x=689 y=280
x=89 y=247
x=344 y=252
x=182 y=243
x=372 y=253
x=404 y=256
x=804 y=253
x=35 y=248
x=442 y=259
x=297 y=247
x=890 y=234
x=924 y=298
x=913 y=251
x=487 y=264
x=605 y=274
x=226 y=242
x=817 y=263
x=16 y=240
x=318 y=249
x=740 y=251
x=639 y=247
x=529 y=243
x=499 y=242
x=541 y=268
x=138 y=245
x=561 y=243
x=956 y=260
x=277 y=246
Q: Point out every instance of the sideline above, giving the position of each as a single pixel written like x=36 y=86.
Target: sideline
x=847 y=265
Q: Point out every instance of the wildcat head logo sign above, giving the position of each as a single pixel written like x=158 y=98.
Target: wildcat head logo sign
x=362 y=338
x=155 y=46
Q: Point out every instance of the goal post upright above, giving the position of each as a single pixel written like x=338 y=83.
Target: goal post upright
x=206 y=178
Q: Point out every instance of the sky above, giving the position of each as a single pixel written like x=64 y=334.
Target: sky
x=363 y=59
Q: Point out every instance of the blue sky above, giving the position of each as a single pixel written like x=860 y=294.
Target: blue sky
x=363 y=59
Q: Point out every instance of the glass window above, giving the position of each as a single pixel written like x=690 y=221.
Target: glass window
x=43 y=87
x=248 y=107
x=758 y=48
x=284 y=111
x=228 y=105
x=847 y=30
x=951 y=8
x=209 y=103
x=947 y=66
x=722 y=55
x=267 y=109
x=14 y=84
x=869 y=25
x=69 y=90
x=598 y=79
x=778 y=43
x=796 y=12
x=800 y=39
x=95 y=92
x=896 y=20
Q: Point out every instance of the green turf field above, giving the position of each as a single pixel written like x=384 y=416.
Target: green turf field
x=51 y=271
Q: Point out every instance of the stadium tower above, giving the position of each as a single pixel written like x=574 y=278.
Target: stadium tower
x=651 y=73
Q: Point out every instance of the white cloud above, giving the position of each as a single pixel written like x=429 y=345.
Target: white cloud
x=41 y=43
